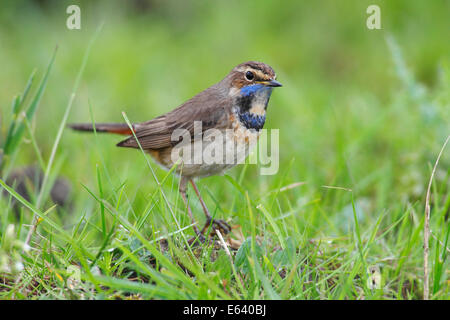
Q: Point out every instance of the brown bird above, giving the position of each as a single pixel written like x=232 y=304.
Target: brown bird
x=224 y=121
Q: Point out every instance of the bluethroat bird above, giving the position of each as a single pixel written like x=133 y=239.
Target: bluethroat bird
x=235 y=107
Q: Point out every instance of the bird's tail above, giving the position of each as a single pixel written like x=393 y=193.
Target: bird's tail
x=118 y=128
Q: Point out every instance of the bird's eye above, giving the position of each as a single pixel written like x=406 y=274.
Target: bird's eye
x=249 y=75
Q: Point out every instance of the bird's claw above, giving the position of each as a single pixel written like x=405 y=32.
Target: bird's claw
x=199 y=238
x=217 y=224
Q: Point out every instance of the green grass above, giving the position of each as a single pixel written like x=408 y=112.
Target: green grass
x=362 y=118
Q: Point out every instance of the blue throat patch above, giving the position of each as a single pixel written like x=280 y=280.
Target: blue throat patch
x=252 y=121
x=250 y=90
x=255 y=93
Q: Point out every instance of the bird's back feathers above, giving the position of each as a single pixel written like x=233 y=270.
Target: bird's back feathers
x=210 y=107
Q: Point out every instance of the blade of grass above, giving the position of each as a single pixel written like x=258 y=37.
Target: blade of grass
x=358 y=237
x=102 y=207
x=18 y=133
x=274 y=225
x=17 y=107
x=34 y=143
x=426 y=233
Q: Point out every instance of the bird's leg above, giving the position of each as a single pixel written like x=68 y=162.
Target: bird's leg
x=183 y=188
x=216 y=224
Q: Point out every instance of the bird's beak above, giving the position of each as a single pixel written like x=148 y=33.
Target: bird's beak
x=271 y=83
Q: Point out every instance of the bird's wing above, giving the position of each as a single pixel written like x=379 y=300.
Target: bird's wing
x=210 y=107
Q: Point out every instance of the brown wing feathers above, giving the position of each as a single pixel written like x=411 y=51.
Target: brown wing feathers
x=208 y=107
x=157 y=133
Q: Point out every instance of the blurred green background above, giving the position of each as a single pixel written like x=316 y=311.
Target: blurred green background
x=362 y=109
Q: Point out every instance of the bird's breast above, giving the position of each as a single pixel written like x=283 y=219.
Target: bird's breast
x=246 y=127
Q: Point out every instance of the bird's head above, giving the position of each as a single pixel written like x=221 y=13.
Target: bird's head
x=250 y=78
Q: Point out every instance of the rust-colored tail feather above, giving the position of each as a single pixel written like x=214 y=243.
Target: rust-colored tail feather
x=118 y=128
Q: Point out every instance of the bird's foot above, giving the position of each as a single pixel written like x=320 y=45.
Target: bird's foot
x=216 y=224
x=213 y=225
x=196 y=240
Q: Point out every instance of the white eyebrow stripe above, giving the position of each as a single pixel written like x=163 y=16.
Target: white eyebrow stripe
x=259 y=73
